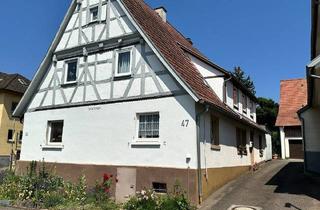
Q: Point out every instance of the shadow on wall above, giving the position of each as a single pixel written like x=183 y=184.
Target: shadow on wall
x=292 y=180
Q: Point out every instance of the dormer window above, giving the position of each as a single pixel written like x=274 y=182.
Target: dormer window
x=94 y=14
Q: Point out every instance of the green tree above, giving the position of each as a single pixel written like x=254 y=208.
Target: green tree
x=267 y=111
x=244 y=79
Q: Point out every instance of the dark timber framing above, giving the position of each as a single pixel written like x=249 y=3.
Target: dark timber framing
x=87 y=78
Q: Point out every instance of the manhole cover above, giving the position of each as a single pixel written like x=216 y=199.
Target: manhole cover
x=238 y=207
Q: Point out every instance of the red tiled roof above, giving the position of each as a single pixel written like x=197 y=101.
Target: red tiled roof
x=173 y=46
x=168 y=40
x=293 y=96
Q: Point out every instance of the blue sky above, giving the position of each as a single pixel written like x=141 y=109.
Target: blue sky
x=270 y=40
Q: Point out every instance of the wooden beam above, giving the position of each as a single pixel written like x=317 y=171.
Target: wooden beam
x=95 y=47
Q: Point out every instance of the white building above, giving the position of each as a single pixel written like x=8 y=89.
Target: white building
x=293 y=96
x=121 y=91
x=310 y=114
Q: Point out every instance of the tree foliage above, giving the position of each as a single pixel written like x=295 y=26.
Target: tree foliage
x=267 y=111
x=244 y=79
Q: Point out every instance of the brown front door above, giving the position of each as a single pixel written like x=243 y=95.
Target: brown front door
x=296 y=149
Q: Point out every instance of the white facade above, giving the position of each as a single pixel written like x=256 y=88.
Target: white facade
x=311 y=123
x=107 y=134
x=100 y=109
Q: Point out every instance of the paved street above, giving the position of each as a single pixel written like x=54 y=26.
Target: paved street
x=277 y=185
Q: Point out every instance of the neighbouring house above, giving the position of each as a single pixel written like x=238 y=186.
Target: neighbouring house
x=12 y=87
x=122 y=91
x=310 y=114
x=293 y=96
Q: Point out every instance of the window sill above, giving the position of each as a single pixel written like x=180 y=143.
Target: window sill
x=94 y=22
x=216 y=147
x=69 y=84
x=122 y=76
x=146 y=144
x=52 y=146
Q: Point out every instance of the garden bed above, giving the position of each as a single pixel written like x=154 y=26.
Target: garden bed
x=42 y=189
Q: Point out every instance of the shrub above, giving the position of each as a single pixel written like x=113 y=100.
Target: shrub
x=144 y=200
x=176 y=202
x=149 y=200
x=76 y=192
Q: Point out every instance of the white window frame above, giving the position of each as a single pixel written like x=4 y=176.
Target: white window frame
x=146 y=140
x=124 y=50
x=91 y=20
x=66 y=70
x=48 y=139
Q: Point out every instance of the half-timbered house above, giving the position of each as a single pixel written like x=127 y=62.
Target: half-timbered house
x=122 y=91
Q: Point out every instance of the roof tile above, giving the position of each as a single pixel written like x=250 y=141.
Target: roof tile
x=293 y=96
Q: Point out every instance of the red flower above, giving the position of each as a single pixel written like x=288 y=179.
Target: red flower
x=106 y=177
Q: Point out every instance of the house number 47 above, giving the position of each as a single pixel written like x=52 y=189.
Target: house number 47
x=185 y=123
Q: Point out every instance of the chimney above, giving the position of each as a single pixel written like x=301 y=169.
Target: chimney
x=162 y=12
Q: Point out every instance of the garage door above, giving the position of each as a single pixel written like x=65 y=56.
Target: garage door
x=296 y=149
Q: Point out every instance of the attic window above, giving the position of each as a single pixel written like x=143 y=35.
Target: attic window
x=124 y=63
x=94 y=13
x=71 y=71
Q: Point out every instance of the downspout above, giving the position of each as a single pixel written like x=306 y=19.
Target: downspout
x=198 y=117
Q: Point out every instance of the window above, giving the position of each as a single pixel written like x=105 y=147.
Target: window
x=251 y=109
x=244 y=103
x=20 y=136
x=159 y=187
x=148 y=126
x=235 y=98
x=94 y=13
x=13 y=106
x=124 y=63
x=18 y=155
x=252 y=138
x=241 y=138
x=10 y=135
x=72 y=67
x=215 y=131
x=260 y=146
x=55 y=131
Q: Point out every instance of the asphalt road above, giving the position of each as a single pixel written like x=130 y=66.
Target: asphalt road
x=277 y=185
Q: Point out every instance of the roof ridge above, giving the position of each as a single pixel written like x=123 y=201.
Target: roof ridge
x=284 y=80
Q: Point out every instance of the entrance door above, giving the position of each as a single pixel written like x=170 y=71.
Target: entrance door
x=296 y=149
x=126 y=185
